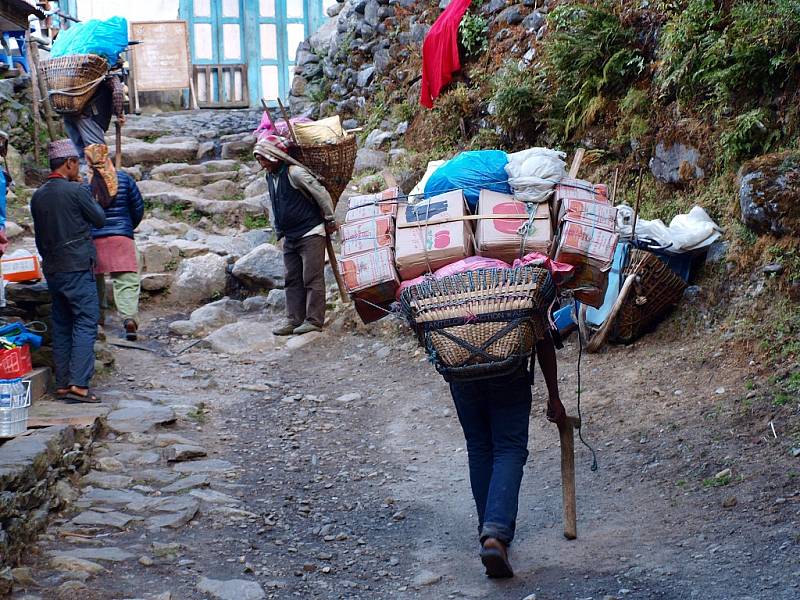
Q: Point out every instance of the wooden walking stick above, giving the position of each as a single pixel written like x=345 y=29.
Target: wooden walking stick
x=566 y=432
x=328 y=242
x=118 y=150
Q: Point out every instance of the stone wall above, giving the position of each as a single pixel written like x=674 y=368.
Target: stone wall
x=34 y=474
x=16 y=119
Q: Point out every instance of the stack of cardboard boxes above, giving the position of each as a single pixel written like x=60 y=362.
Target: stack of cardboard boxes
x=587 y=237
x=386 y=240
x=367 y=260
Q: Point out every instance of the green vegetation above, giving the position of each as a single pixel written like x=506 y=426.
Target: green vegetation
x=593 y=58
x=518 y=96
x=750 y=134
x=731 y=54
x=718 y=481
x=473 y=33
x=256 y=221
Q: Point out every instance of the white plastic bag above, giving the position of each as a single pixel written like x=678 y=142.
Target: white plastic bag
x=687 y=232
x=533 y=173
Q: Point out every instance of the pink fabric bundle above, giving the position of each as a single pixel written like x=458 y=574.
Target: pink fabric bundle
x=267 y=127
x=471 y=263
x=560 y=272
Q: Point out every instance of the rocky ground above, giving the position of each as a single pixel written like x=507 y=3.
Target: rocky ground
x=334 y=467
x=241 y=466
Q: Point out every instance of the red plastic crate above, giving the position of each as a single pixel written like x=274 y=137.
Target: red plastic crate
x=15 y=362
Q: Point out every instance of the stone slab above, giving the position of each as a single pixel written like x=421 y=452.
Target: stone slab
x=110 y=554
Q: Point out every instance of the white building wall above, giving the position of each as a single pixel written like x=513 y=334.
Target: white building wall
x=133 y=10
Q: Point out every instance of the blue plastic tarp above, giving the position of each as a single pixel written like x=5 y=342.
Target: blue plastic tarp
x=471 y=172
x=104 y=38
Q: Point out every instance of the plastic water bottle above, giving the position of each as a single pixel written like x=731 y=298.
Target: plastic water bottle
x=6 y=394
x=18 y=393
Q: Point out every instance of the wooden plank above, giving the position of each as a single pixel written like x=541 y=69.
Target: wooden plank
x=576 y=163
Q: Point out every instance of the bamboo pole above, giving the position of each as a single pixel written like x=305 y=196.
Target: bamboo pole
x=36 y=76
x=35 y=93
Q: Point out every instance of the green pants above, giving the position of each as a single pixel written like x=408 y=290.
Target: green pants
x=126 y=288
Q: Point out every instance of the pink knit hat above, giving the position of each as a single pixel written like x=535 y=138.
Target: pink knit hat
x=61 y=149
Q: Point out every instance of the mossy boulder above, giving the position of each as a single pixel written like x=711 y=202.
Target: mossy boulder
x=769 y=193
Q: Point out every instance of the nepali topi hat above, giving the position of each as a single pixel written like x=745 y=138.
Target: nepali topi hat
x=62 y=149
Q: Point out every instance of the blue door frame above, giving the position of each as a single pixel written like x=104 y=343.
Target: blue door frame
x=250 y=22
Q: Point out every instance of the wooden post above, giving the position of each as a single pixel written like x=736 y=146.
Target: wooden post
x=36 y=76
x=567 y=434
x=35 y=93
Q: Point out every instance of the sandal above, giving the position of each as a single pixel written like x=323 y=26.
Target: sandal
x=61 y=393
x=75 y=396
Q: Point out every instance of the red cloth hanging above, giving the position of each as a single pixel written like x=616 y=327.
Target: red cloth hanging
x=440 y=52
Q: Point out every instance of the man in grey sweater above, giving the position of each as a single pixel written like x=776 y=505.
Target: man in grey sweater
x=63 y=213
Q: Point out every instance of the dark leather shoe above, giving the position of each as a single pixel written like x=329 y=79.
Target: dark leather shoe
x=494 y=556
x=130 y=330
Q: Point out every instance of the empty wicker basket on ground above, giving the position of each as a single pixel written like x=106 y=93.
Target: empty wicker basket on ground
x=333 y=162
x=656 y=290
x=480 y=323
x=72 y=80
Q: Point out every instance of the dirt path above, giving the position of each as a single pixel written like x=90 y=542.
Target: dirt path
x=348 y=479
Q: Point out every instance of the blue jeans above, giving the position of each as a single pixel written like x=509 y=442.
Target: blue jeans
x=84 y=131
x=76 y=311
x=494 y=415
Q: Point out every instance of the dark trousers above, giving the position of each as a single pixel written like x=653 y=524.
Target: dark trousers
x=304 y=260
x=494 y=415
x=75 y=314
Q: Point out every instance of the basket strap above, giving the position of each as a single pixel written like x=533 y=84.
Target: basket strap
x=79 y=90
x=482 y=351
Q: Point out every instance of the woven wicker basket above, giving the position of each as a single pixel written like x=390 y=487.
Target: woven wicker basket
x=333 y=162
x=480 y=324
x=72 y=80
x=657 y=289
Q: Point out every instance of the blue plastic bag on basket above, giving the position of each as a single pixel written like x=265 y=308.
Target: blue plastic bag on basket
x=472 y=172
x=104 y=38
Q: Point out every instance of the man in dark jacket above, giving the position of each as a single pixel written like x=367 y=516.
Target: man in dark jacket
x=63 y=215
x=117 y=255
x=302 y=212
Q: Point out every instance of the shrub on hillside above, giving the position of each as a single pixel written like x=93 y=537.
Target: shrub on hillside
x=730 y=55
x=518 y=96
x=592 y=58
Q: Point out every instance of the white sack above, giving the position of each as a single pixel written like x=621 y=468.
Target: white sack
x=533 y=173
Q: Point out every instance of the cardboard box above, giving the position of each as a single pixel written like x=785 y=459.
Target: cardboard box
x=579 y=189
x=500 y=238
x=369 y=269
x=22 y=268
x=372 y=280
x=372 y=205
x=369 y=234
x=588 y=213
x=590 y=250
x=431 y=234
